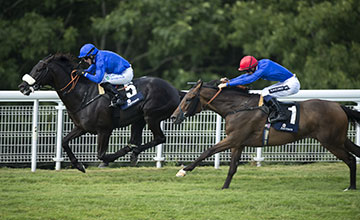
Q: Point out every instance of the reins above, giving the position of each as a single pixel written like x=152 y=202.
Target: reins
x=73 y=81
x=216 y=94
x=246 y=108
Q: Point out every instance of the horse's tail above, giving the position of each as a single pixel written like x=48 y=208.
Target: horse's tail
x=353 y=148
x=352 y=115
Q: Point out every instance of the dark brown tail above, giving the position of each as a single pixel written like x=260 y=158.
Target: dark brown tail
x=353 y=148
x=353 y=115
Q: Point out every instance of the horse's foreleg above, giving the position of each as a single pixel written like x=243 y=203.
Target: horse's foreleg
x=135 y=140
x=103 y=145
x=235 y=157
x=76 y=132
x=159 y=138
x=221 y=146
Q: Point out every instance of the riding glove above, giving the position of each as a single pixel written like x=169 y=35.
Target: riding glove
x=80 y=72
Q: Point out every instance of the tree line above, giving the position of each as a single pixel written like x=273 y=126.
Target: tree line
x=183 y=41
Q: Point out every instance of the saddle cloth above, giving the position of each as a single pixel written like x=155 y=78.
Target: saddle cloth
x=290 y=125
x=133 y=96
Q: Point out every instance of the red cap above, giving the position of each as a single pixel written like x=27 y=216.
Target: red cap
x=247 y=63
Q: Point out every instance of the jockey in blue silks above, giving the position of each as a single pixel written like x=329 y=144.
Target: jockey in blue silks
x=266 y=69
x=108 y=69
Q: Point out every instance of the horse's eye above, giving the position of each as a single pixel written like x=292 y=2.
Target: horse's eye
x=188 y=100
x=40 y=69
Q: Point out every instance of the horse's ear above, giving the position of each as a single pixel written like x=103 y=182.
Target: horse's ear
x=48 y=58
x=199 y=83
x=51 y=57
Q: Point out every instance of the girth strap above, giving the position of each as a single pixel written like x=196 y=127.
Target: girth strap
x=266 y=132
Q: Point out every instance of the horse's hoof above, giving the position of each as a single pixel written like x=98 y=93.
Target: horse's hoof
x=103 y=165
x=181 y=173
x=133 y=159
x=349 y=188
x=80 y=167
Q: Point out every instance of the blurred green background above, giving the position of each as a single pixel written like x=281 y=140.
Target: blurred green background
x=187 y=40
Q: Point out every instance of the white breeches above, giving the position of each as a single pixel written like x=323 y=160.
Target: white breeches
x=281 y=89
x=119 y=79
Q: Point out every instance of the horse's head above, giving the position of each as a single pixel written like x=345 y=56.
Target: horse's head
x=38 y=76
x=189 y=105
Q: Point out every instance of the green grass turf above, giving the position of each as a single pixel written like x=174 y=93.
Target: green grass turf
x=312 y=191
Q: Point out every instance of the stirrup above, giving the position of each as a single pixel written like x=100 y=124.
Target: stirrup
x=120 y=102
x=278 y=117
x=113 y=102
x=112 y=105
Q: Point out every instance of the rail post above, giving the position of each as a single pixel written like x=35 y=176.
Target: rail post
x=258 y=157
x=34 y=135
x=159 y=148
x=59 y=133
x=217 y=140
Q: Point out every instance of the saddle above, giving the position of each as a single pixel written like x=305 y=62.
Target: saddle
x=133 y=97
x=128 y=92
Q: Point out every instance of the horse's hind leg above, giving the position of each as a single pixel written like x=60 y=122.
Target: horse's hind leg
x=235 y=157
x=342 y=153
x=76 y=132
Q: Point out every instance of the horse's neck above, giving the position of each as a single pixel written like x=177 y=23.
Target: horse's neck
x=72 y=92
x=77 y=96
x=227 y=102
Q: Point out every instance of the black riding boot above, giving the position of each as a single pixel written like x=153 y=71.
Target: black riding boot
x=273 y=104
x=120 y=99
x=117 y=99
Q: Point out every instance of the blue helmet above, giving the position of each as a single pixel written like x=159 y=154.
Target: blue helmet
x=88 y=50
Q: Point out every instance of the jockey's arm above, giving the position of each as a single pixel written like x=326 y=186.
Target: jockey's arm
x=99 y=74
x=91 y=69
x=244 y=79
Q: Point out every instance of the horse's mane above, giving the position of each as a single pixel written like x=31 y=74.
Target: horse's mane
x=65 y=58
x=214 y=85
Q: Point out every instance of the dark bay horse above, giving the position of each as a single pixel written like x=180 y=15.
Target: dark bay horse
x=325 y=121
x=89 y=111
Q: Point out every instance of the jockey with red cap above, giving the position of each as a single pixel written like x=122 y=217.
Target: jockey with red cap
x=266 y=69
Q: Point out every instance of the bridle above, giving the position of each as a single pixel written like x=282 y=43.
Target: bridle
x=194 y=102
x=34 y=83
